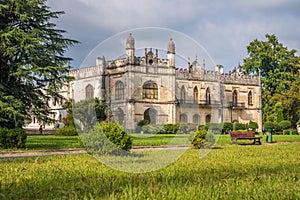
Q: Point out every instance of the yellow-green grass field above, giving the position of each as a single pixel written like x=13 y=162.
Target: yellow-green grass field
x=227 y=172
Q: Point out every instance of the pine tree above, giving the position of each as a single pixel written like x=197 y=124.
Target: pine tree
x=32 y=62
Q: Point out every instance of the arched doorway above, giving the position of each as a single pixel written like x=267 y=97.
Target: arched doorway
x=207 y=119
x=196 y=119
x=150 y=115
x=119 y=116
x=183 y=118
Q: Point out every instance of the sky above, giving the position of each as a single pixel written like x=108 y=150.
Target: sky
x=223 y=28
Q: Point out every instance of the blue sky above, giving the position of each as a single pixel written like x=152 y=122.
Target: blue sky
x=223 y=28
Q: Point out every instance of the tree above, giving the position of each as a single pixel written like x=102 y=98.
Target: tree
x=88 y=112
x=267 y=56
x=291 y=101
x=69 y=119
x=279 y=70
x=32 y=65
x=278 y=112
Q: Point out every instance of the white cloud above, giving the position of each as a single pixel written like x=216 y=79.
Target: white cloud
x=224 y=28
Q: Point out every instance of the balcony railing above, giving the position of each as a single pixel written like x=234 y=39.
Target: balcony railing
x=237 y=105
x=199 y=102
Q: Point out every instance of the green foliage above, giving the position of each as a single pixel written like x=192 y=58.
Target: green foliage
x=272 y=125
x=239 y=126
x=66 y=131
x=253 y=125
x=209 y=139
x=279 y=70
x=287 y=132
x=278 y=112
x=266 y=56
x=106 y=138
x=89 y=112
x=140 y=124
x=151 y=128
x=165 y=128
x=100 y=109
x=169 y=129
x=12 y=138
x=143 y=123
x=198 y=138
x=69 y=119
x=285 y=124
x=227 y=126
x=12 y=111
x=184 y=128
x=215 y=127
x=33 y=67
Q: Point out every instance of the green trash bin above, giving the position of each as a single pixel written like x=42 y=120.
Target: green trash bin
x=291 y=132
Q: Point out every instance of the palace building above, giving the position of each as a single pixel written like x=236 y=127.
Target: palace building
x=155 y=89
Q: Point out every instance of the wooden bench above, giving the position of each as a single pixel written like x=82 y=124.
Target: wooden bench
x=235 y=136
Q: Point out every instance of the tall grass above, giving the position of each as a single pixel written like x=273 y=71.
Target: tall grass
x=229 y=172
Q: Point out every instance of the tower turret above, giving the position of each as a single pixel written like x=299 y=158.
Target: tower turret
x=171 y=53
x=130 y=49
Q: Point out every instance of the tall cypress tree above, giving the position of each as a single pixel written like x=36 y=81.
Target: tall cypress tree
x=32 y=63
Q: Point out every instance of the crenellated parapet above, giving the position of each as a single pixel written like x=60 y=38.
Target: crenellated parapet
x=234 y=77
x=237 y=77
x=86 y=71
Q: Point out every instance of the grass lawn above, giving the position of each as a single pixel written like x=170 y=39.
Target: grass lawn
x=57 y=142
x=228 y=172
x=51 y=142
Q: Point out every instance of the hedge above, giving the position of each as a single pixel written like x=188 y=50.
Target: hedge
x=66 y=131
x=12 y=138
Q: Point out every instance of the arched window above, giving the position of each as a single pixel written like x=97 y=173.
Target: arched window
x=150 y=115
x=208 y=97
x=250 y=98
x=234 y=98
x=183 y=118
x=196 y=119
x=150 y=90
x=89 y=92
x=119 y=90
x=207 y=119
x=182 y=94
x=196 y=94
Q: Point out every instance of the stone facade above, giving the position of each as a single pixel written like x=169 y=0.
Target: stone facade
x=152 y=88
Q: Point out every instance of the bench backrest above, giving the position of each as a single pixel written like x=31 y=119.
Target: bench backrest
x=242 y=134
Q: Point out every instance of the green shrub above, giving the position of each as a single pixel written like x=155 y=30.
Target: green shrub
x=169 y=129
x=272 y=125
x=151 y=128
x=239 y=126
x=66 y=131
x=143 y=123
x=227 y=126
x=209 y=139
x=252 y=125
x=285 y=124
x=215 y=127
x=106 y=138
x=287 y=132
x=198 y=138
x=184 y=128
x=12 y=138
